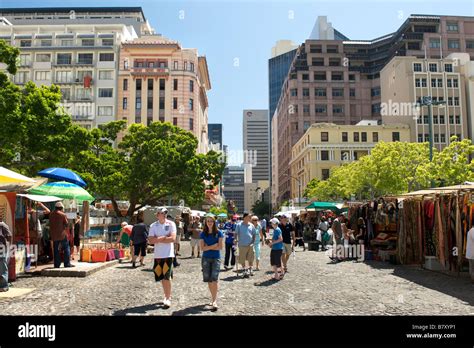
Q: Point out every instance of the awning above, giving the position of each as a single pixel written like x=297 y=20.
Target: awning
x=326 y=206
x=39 y=198
x=10 y=177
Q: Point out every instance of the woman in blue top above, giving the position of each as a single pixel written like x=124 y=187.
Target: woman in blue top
x=277 y=249
x=258 y=238
x=211 y=244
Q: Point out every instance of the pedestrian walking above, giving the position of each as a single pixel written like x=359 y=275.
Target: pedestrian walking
x=196 y=229
x=229 y=229
x=324 y=230
x=245 y=234
x=288 y=234
x=77 y=237
x=58 y=225
x=139 y=238
x=179 y=233
x=259 y=236
x=338 y=237
x=163 y=235
x=276 y=245
x=211 y=246
x=124 y=237
x=299 y=237
x=5 y=241
x=175 y=259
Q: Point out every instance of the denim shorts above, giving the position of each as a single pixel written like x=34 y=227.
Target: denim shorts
x=210 y=269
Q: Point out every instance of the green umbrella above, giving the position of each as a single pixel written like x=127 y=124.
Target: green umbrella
x=222 y=215
x=62 y=189
x=325 y=206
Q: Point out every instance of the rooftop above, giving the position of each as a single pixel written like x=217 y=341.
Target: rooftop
x=18 y=10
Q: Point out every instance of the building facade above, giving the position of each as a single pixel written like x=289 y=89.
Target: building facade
x=214 y=131
x=161 y=81
x=233 y=188
x=76 y=49
x=406 y=80
x=256 y=142
x=327 y=145
x=338 y=81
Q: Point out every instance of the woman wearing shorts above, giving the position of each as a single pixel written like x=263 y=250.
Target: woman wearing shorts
x=277 y=249
x=211 y=243
x=256 y=245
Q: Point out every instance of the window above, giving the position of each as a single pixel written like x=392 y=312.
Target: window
x=85 y=58
x=450 y=100
x=352 y=92
x=25 y=59
x=436 y=138
x=83 y=93
x=469 y=44
x=125 y=84
x=306 y=125
x=433 y=67
x=395 y=136
x=106 y=74
x=105 y=110
x=22 y=77
x=416 y=66
x=457 y=119
x=451 y=119
x=338 y=92
x=175 y=65
x=294 y=92
x=306 y=109
x=425 y=119
x=338 y=109
x=175 y=84
x=435 y=43
x=175 y=103
x=83 y=73
x=138 y=103
x=356 y=136
x=191 y=67
x=320 y=109
x=87 y=42
x=455 y=83
x=448 y=67
x=423 y=82
x=162 y=84
x=449 y=83
x=452 y=26
x=320 y=76
x=440 y=83
x=106 y=92
x=334 y=62
x=107 y=42
x=191 y=124
x=106 y=57
x=42 y=75
x=63 y=76
x=324 y=155
x=138 y=84
x=43 y=57
x=320 y=92
x=336 y=76
x=332 y=49
x=305 y=77
x=324 y=136
x=363 y=136
x=317 y=61
x=427 y=137
x=453 y=44
x=433 y=82
x=441 y=119
x=352 y=77
x=191 y=85
x=125 y=64
x=185 y=65
x=344 y=137
x=420 y=137
x=25 y=43
x=175 y=121
x=375 y=92
x=442 y=138
x=305 y=92
x=417 y=83
x=125 y=103
x=46 y=43
x=64 y=58
x=191 y=104
x=67 y=43
x=456 y=101
x=375 y=137
x=65 y=93
x=435 y=119
x=324 y=174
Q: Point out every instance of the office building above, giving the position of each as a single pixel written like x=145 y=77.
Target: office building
x=233 y=180
x=256 y=143
x=215 y=135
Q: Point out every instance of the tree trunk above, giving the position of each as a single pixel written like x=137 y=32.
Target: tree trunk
x=116 y=208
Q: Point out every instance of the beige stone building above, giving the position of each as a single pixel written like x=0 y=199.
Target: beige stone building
x=161 y=81
x=327 y=145
x=406 y=80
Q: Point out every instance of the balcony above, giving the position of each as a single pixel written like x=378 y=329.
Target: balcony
x=150 y=71
x=82 y=117
x=70 y=81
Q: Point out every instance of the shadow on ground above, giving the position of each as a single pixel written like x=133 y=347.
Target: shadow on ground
x=192 y=310
x=139 y=310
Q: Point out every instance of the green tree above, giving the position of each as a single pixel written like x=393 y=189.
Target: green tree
x=453 y=166
x=219 y=210
x=261 y=209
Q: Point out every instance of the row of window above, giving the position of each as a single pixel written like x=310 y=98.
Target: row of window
x=322 y=92
x=437 y=138
x=432 y=67
x=86 y=93
x=452 y=44
x=450 y=83
x=138 y=119
x=345 y=155
x=359 y=137
x=321 y=76
x=65 y=42
x=66 y=58
x=439 y=119
x=142 y=63
x=88 y=110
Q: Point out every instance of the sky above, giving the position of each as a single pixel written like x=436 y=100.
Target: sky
x=237 y=36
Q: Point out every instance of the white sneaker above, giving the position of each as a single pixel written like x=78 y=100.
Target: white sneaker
x=166 y=303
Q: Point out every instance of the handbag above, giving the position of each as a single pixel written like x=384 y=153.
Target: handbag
x=110 y=255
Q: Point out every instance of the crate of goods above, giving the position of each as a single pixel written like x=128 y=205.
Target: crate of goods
x=99 y=255
x=86 y=255
x=110 y=255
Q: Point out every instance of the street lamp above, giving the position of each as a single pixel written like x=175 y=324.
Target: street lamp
x=299 y=186
x=428 y=101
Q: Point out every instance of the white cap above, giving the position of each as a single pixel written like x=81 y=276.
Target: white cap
x=275 y=221
x=59 y=205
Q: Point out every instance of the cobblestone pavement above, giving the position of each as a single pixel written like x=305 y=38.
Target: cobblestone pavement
x=313 y=286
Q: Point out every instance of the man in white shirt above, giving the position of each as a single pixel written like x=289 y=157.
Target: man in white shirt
x=163 y=235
